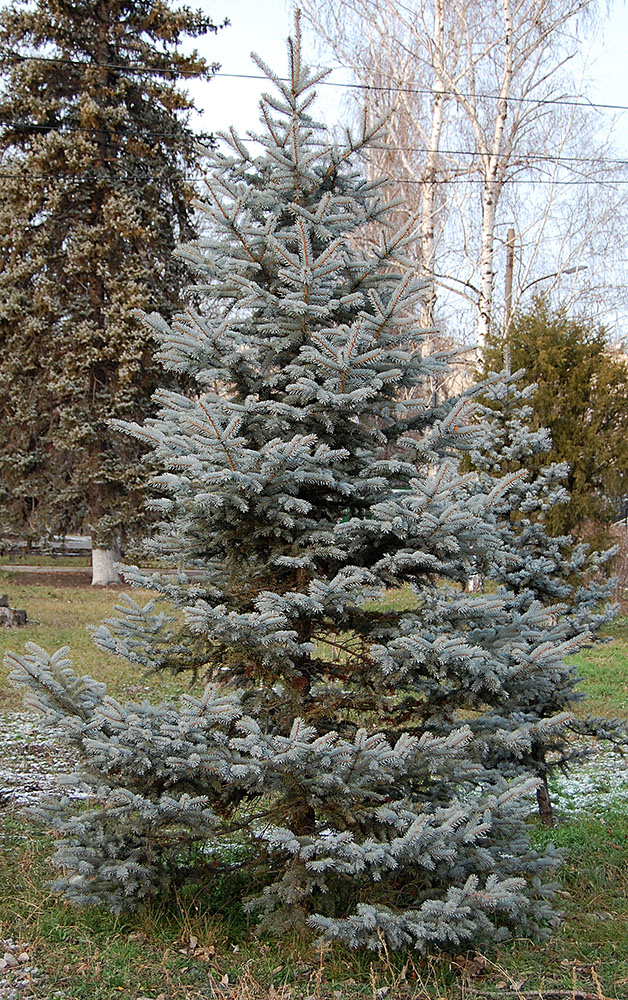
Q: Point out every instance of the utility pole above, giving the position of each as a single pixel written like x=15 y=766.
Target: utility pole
x=510 y=265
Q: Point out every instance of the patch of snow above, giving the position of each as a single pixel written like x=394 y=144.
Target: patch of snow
x=31 y=763
x=597 y=784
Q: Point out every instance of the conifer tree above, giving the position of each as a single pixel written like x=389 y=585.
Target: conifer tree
x=305 y=478
x=563 y=575
x=96 y=148
x=582 y=398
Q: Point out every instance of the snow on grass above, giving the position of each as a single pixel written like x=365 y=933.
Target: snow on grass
x=595 y=785
x=31 y=763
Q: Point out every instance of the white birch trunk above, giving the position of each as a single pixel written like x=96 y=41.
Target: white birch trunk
x=485 y=298
x=493 y=185
x=104 y=571
x=428 y=202
x=472 y=89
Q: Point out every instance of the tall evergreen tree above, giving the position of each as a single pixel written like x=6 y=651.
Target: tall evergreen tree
x=96 y=144
x=304 y=478
x=582 y=398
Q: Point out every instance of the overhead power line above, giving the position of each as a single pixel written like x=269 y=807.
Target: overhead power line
x=584 y=182
x=577 y=101
x=124 y=133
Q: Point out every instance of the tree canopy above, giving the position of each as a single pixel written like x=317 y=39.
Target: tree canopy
x=97 y=149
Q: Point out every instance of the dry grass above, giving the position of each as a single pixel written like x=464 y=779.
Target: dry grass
x=203 y=946
x=59 y=612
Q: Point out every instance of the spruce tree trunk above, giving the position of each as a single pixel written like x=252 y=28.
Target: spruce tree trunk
x=544 y=803
x=104 y=571
x=474 y=583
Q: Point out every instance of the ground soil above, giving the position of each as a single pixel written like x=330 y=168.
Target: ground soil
x=77 y=578
x=66 y=576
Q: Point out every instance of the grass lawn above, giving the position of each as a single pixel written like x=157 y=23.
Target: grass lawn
x=192 y=950
x=203 y=946
x=605 y=673
x=58 y=616
x=52 y=560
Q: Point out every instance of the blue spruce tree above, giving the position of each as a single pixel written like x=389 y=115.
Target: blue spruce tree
x=535 y=567
x=329 y=757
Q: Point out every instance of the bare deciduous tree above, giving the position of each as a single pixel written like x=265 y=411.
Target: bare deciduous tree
x=484 y=135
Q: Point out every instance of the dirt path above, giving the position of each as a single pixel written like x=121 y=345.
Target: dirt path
x=49 y=569
x=75 y=576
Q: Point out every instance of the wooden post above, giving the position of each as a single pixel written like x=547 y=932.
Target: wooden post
x=510 y=264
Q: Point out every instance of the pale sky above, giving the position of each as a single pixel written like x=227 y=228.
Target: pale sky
x=263 y=26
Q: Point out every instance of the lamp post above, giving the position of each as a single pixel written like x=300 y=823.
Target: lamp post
x=510 y=263
x=555 y=274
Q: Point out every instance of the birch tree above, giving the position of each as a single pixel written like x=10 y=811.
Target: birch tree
x=408 y=89
x=484 y=131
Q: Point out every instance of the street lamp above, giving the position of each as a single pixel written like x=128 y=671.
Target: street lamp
x=555 y=274
x=510 y=261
